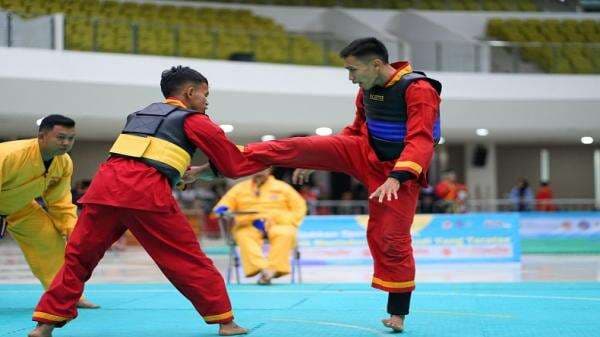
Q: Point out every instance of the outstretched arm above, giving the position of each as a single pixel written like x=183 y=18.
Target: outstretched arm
x=225 y=155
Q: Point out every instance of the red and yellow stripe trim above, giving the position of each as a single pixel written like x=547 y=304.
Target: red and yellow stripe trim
x=50 y=317
x=220 y=317
x=410 y=165
x=398 y=75
x=393 y=285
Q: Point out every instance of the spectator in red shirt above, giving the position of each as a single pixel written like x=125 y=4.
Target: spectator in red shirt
x=544 y=197
x=452 y=194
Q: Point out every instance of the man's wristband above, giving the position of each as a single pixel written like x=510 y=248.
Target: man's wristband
x=401 y=176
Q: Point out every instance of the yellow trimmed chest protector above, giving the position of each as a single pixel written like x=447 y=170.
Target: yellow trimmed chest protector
x=155 y=135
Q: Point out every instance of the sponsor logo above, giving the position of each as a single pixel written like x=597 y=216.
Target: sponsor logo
x=376 y=97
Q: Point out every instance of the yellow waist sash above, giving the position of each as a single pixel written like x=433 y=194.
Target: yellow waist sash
x=152 y=148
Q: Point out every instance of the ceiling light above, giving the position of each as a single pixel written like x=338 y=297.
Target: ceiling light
x=267 y=138
x=227 y=128
x=323 y=131
x=482 y=132
x=587 y=140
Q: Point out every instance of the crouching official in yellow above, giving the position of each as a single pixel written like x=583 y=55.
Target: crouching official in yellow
x=40 y=167
x=280 y=211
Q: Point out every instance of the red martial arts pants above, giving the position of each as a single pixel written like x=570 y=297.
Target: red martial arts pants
x=388 y=231
x=169 y=240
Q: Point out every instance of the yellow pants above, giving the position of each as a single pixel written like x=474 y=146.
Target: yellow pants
x=282 y=239
x=41 y=243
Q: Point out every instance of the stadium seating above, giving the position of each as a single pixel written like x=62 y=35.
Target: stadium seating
x=492 y=5
x=556 y=46
x=146 y=28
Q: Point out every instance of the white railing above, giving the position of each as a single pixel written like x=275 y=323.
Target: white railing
x=342 y=207
x=509 y=205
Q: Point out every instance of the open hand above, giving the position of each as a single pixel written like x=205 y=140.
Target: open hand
x=388 y=189
x=202 y=172
x=301 y=176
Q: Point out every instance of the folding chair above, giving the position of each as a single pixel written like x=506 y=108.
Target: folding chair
x=226 y=223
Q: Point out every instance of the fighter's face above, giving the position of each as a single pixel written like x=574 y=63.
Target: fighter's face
x=197 y=96
x=362 y=72
x=57 y=141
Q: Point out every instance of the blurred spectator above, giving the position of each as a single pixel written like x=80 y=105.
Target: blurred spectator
x=80 y=188
x=219 y=187
x=311 y=195
x=346 y=204
x=452 y=194
x=359 y=192
x=208 y=198
x=197 y=202
x=521 y=196
x=544 y=197
x=188 y=199
x=427 y=200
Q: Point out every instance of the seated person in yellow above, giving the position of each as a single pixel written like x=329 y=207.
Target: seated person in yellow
x=280 y=210
x=40 y=167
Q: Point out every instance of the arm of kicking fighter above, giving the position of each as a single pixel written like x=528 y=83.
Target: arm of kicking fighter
x=222 y=153
x=61 y=209
x=422 y=102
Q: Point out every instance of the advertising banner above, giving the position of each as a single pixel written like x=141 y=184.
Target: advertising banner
x=560 y=224
x=480 y=237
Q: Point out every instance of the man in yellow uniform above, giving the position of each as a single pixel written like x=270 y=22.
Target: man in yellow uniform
x=40 y=167
x=280 y=210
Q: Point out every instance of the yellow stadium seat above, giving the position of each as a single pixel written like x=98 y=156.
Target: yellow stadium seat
x=158 y=29
x=566 y=50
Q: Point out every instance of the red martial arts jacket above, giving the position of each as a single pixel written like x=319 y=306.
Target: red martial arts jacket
x=422 y=103
x=129 y=183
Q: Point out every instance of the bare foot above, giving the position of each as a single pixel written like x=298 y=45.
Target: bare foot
x=395 y=322
x=85 y=304
x=42 y=330
x=265 y=277
x=231 y=329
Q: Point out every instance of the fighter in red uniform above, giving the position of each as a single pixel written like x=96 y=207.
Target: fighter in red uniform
x=388 y=147
x=132 y=190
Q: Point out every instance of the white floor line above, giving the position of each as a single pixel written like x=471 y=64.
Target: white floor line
x=341 y=325
x=333 y=291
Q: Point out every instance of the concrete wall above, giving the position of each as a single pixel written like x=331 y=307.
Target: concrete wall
x=87 y=156
x=262 y=98
x=515 y=162
x=571 y=168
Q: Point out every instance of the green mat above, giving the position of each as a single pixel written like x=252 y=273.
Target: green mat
x=560 y=246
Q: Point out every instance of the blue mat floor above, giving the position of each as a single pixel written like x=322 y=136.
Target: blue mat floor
x=327 y=310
